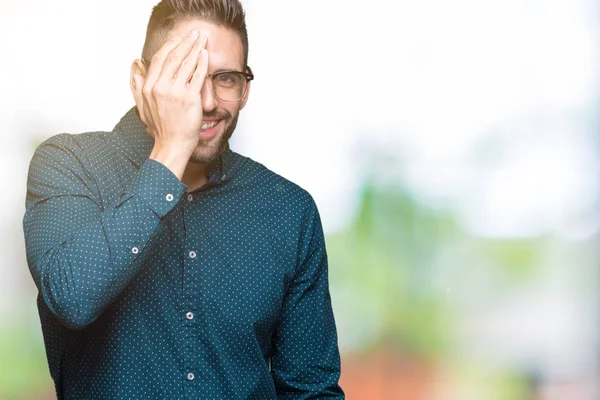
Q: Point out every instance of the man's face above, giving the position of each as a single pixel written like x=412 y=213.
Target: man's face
x=225 y=52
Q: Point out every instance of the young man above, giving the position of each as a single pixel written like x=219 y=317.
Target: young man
x=169 y=266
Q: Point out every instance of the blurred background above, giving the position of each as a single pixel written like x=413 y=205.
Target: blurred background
x=452 y=149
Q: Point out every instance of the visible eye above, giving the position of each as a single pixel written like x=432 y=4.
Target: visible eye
x=228 y=79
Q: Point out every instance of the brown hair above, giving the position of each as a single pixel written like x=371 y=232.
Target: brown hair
x=167 y=13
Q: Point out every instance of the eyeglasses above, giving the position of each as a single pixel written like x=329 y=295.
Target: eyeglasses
x=229 y=86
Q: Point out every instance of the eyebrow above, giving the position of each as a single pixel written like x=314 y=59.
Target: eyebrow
x=225 y=70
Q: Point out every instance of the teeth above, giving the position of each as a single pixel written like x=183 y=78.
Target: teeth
x=208 y=125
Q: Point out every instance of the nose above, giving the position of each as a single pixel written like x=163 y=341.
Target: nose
x=209 y=101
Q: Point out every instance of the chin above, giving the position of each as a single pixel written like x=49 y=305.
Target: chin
x=205 y=155
x=209 y=152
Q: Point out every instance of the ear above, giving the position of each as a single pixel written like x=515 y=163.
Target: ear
x=137 y=77
x=245 y=98
x=248 y=87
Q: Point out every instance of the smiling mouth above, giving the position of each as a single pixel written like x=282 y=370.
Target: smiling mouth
x=208 y=125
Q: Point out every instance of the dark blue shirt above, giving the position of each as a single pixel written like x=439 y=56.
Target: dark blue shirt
x=147 y=291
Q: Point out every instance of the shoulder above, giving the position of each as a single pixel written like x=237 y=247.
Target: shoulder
x=58 y=167
x=69 y=143
x=271 y=186
x=62 y=156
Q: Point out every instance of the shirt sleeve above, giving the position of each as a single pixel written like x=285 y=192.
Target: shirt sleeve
x=81 y=251
x=306 y=361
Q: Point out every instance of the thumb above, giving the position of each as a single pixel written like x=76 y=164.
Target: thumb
x=138 y=82
x=137 y=85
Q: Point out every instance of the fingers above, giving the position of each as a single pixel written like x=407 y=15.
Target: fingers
x=175 y=59
x=200 y=74
x=158 y=60
x=190 y=63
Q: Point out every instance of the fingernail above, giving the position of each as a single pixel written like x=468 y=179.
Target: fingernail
x=194 y=33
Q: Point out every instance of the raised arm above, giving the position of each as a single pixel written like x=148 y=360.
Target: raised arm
x=82 y=252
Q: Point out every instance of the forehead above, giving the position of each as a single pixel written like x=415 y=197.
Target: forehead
x=224 y=45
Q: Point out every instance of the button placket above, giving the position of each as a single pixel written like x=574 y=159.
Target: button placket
x=190 y=308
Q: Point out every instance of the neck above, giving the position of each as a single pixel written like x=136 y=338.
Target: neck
x=195 y=175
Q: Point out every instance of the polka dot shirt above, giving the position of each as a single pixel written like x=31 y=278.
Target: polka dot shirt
x=147 y=291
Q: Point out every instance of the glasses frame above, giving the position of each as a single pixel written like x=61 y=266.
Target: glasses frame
x=248 y=75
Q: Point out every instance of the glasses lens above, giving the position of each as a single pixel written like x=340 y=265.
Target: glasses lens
x=229 y=86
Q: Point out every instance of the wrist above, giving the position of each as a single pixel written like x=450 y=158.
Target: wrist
x=174 y=157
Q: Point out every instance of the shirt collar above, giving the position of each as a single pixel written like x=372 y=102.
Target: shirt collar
x=137 y=143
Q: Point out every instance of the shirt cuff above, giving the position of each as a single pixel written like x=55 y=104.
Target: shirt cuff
x=158 y=187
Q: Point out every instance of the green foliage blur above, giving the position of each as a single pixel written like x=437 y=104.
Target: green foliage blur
x=24 y=371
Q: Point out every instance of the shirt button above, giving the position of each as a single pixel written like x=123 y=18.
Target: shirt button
x=190 y=197
x=224 y=177
x=192 y=254
x=190 y=377
x=135 y=250
x=169 y=197
x=189 y=315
